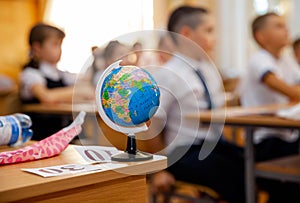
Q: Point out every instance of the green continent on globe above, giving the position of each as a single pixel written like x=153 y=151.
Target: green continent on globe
x=127 y=93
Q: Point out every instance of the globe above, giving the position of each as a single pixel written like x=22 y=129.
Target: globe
x=129 y=96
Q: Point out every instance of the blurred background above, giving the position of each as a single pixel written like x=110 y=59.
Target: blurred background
x=93 y=23
x=89 y=23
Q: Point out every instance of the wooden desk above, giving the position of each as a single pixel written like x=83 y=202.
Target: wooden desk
x=62 y=108
x=248 y=118
x=97 y=186
x=256 y=117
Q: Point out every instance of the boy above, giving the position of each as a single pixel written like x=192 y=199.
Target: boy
x=272 y=78
x=192 y=85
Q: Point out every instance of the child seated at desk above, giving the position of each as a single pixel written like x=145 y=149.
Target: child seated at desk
x=42 y=82
x=112 y=52
x=296 y=48
x=273 y=78
x=222 y=169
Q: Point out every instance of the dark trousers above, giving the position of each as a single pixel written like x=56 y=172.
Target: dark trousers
x=278 y=191
x=44 y=125
x=222 y=170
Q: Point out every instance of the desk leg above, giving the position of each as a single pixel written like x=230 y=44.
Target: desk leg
x=249 y=166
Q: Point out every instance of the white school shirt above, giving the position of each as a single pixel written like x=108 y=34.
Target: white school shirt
x=31 y=76
x=182 y=93
x=256 y=93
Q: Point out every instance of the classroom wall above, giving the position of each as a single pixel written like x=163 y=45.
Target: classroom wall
x=162 y=9
x=16 y=18
x=233 y=50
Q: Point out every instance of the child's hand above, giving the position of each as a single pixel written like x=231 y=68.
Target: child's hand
x=162 y=181
x=148 y=123
x=295 y=97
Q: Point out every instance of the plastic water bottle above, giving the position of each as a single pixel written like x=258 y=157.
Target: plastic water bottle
x=15 y=129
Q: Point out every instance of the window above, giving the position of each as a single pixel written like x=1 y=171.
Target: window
x=261 y=6
x=90 y=23
x=264 y=6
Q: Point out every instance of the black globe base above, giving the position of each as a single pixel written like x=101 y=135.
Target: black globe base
x=131 y=154
x=126 y=157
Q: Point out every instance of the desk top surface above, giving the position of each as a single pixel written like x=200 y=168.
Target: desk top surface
x=263 y=116
x=255 y=116
x=61 y=108
x=14 y=180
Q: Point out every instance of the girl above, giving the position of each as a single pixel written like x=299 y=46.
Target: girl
x=42 y=82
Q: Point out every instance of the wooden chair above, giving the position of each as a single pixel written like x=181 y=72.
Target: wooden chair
x=284 y=169
x=232 y=91
x=233 y=134
x=184 y=192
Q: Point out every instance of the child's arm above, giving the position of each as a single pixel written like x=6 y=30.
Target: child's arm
x=56 y=95
x=63 y=94
x=273 y=82
x=152 y=140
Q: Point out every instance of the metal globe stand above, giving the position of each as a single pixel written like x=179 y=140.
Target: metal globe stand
x=131 y=153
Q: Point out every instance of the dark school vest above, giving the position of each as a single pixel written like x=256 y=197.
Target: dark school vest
x=50 y=85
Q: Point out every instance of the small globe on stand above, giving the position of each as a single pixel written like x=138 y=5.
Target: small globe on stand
x=127 y=97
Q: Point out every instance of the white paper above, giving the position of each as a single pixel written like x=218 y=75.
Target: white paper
x=96 y=153
x=71 y=169
x=63 y=169
x=292 y=113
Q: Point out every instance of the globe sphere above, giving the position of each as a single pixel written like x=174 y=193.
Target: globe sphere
x=129 y=96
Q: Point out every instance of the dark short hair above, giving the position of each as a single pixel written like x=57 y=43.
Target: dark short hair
x=260 y=22
x=296 y=43
x=41 y=31
x=185 y=16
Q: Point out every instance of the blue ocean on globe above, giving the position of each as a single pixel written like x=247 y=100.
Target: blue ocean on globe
x=129 y=96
